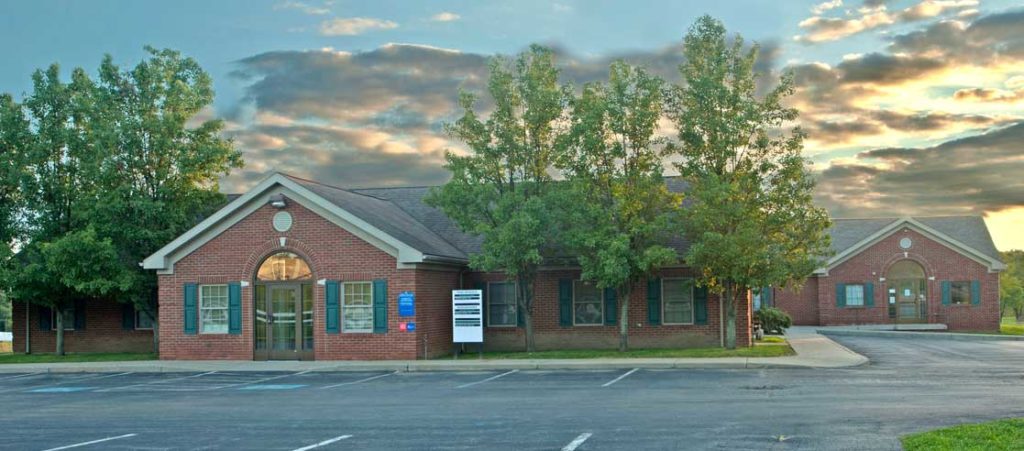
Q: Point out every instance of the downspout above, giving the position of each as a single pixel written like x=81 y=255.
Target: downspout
x=28 y=348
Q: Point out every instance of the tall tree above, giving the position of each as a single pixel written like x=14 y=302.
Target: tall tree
x=160 y=167
x=1011 y=284
x=619 y=212
x=499 y=190
x=751 y=220
x=14 y=133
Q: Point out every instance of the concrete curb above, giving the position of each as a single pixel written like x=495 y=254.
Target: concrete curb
x=909 y=334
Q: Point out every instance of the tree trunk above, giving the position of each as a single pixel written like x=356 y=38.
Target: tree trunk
x=524 y=299
x=623 y=301
x=730 y=316
x=59 y=313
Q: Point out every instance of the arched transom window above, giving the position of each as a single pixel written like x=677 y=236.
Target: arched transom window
x=906 y=269
x=284 y=266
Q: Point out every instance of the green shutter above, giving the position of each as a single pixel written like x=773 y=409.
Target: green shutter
x=482 y=286
x=946 y=295
x=127 y=316
x=654 y=301
x=840 y=295
x=380 y=306
x=331 y=314
x=700 y=305
x=520 y=322
x=80 y=314
x=975 y=292
x=45 y=318
x=191 y=313
x=234 y=308
x=869 y=294
x=565 y=302
x=611 y=311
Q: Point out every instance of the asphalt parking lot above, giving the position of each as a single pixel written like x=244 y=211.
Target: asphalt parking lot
x=911 y=385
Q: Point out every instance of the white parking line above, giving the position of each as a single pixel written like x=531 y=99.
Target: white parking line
x=487 y=380
x=620 y=377
x=323 y=443
x=361 y=380
x=577 y=442
x=91 y=378
x=76 y=445
x=20 y=375
x=258 y=381
x=161 y=381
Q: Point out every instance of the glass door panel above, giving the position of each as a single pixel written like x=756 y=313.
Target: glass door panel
x=283 y=317
x=307 y=318
x=261 y=325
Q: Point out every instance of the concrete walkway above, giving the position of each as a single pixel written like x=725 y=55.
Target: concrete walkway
x=867 y=331
x=813 y=351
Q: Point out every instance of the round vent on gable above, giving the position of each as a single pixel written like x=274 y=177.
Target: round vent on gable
x=906 y=242
x=282 y=221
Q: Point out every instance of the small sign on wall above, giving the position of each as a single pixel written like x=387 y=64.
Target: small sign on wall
x=406 y=303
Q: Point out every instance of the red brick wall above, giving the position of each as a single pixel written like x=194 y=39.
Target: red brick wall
x=332 y=253
x=940 y=263
x=801 y=304
x=549 y=335
x=434 y=310
x=103 y=332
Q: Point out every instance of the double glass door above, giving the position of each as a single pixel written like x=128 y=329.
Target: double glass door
x=284 y=322
x=909 y=298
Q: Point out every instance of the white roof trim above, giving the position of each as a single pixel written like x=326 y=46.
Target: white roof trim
x=164 y=259
x=974 y=254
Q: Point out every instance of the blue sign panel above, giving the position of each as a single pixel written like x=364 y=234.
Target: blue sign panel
x=406 y=303
x=410 y=327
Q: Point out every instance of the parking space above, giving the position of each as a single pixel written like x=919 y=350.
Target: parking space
x=910 y=386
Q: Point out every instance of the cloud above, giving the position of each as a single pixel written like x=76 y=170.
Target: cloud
x=825 y=6
x=971 y=175
x=304 y=7
x=989 y=95
x=354 y=26
x=873 y=15
x=445 y=17
x=886 y=69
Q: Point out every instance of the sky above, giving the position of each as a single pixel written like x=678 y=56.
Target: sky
x=912 y=107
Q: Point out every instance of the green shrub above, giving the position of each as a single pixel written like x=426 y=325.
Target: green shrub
x=773 y=320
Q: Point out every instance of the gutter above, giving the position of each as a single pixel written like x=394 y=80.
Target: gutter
x=442 y=259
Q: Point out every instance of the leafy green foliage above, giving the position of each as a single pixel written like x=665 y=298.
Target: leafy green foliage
x=751 y=221
x=500 y=190
x=617 y=211
x=995 y=435
x=773 y=320
x=1011 y=284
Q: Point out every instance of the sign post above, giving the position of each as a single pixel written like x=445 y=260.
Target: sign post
x=468 y=319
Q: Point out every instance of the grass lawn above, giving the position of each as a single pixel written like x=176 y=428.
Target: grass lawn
x=1010 y=326
x=995 y=435
x=756 y=351
x=772 y=339
x=96 y=357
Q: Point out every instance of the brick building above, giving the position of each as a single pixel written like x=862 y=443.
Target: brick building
x=939 y=270
x=296 y=269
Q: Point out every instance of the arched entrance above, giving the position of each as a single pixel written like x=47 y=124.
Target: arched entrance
x=908 y=292
x=283 y=323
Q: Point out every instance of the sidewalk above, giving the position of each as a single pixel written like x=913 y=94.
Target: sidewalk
x=813 y=351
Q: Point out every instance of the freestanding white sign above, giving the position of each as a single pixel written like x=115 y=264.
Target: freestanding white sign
x=467 y=316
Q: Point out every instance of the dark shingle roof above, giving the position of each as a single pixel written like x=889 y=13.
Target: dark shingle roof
x=969 y=230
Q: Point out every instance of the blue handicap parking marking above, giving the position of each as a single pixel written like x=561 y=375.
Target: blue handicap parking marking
x=60 y=389
x=272 y=387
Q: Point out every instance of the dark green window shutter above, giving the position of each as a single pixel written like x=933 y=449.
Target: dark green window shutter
x=191 y=313
x=234 y=308
x=331 y=313
x=127 y=316
x=45 y=318
x=654 y=301
x=520 y=321
x=380 y=306
x=946 y=295
x=700 y=305
x=840 y=295
x=80 y=315
x=482 y=286
x=975 y=292
x=611 y=312
x=565 y=302
x=869 y=294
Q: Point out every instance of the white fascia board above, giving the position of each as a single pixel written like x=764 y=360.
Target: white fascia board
x=935 y=235
x=164 y=259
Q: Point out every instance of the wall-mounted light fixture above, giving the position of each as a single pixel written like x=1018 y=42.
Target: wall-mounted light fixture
x=277 y=201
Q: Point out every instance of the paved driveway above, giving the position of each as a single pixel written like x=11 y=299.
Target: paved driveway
x=911 y=385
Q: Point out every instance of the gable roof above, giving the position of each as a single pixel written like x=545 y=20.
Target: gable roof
x=966 y=234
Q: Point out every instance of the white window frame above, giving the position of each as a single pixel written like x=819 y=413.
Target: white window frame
x=693 y=302
x=202 y=324
x=863 y=294
x=515 y=313
x=68 y=325
x=600 y=303
x=343 y=308
x=140 y=312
